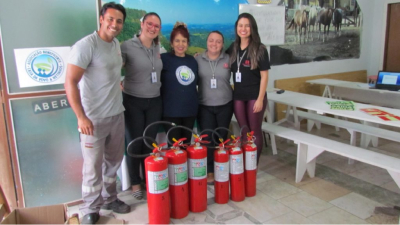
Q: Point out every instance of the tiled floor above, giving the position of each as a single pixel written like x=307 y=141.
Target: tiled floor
x=341 y=193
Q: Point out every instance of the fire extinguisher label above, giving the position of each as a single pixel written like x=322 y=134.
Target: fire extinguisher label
x=236 y=165
x=235 y=149
x=221 y=171
x=177 y=174
x=197 y=168
x=251 y=160
x=221 y=152
x=158 y=181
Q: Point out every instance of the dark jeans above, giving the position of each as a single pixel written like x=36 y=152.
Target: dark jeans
x=211 y=117
x=179 y=133
x=139 y=113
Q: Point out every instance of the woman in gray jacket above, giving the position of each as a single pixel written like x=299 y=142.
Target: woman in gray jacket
x=215 y=93
x=141 y=92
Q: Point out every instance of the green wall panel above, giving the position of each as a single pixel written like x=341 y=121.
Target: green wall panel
x=42 y=23
x=47 y=143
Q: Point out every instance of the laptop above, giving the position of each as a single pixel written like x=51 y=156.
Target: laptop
x=387 y=80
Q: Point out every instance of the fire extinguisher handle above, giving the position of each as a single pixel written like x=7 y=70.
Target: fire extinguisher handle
x=212 y=135
x=135 y=140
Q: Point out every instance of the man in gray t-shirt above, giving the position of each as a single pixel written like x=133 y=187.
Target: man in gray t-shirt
x=95 y=65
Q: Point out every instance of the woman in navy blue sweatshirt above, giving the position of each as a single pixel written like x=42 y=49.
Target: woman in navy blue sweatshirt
x=179 y=80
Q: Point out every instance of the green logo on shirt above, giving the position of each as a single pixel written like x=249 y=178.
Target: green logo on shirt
x=184 y=75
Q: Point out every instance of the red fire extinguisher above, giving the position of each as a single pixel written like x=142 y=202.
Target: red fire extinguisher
x=178 y=179
x=250 y=162
x=157 y=184
x=197 y=163
x=221 y=173
x=236 y=171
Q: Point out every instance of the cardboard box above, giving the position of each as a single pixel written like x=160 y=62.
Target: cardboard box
x=2 y=211
x=53 y=214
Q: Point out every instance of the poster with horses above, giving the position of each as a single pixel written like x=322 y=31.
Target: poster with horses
x=319 y=30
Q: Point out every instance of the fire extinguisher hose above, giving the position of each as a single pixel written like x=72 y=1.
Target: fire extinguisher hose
x=135 y=140
x=150 y=125
x=176 y=127
x=241 y=131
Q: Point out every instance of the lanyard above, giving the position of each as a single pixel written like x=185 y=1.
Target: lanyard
x=213 y=67
x=151 y=58
x=239 y=61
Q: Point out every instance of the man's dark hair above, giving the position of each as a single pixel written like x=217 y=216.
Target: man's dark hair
x=112 y=5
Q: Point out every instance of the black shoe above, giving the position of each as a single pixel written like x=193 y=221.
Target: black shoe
x=90 y=218
x=117 y=206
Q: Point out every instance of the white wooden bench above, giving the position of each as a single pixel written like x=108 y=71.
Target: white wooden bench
x=310 y=146
x=351 y=127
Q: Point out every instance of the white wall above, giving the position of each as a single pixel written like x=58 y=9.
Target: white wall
x=378 y=34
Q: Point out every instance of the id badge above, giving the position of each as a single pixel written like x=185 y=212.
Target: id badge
x=238 y=77
x=153 y=77
x=213 y=83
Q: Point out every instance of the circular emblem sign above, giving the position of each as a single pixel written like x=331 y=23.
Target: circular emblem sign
x=44 y=66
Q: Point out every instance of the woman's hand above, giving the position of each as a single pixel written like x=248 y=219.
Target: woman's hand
x=258 y=106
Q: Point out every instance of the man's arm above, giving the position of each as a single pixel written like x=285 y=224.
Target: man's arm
x=73 y=76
